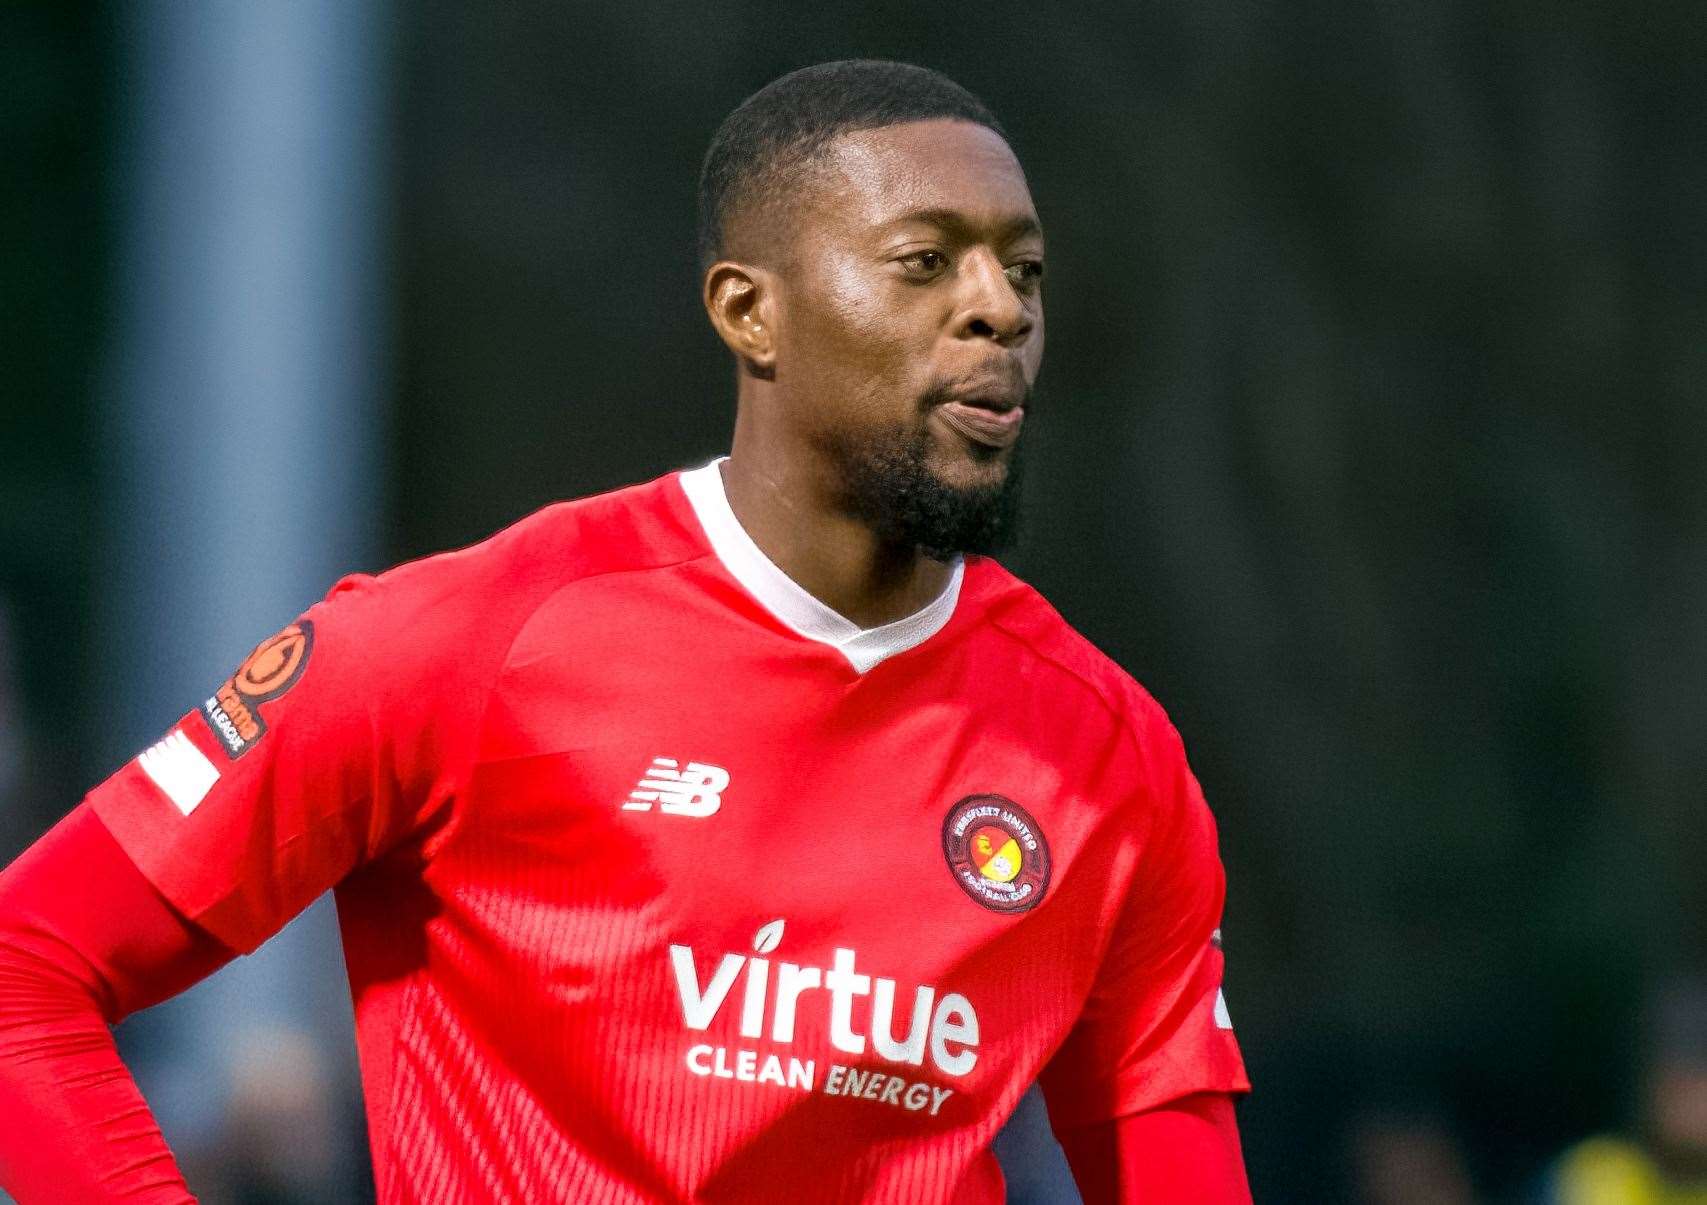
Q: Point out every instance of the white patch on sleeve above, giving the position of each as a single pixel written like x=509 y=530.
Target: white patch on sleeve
x=179 y=769
x=1223 y=1019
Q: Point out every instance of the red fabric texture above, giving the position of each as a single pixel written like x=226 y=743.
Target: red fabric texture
x=569 y=984
x=1184 y=1153
x=535 y=964
x=84 y=941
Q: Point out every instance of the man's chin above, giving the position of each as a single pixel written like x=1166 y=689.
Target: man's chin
x=943 y=500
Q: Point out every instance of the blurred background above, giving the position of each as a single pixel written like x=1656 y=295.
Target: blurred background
x=1371 y=441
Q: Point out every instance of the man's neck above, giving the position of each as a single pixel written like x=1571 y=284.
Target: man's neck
x=783 y=505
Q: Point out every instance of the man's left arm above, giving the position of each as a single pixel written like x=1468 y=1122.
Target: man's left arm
x=1141 y=1094
x=1187 y=1152
x=1183 y=1153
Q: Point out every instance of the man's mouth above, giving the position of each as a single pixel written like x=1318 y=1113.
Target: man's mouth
x=991 y=422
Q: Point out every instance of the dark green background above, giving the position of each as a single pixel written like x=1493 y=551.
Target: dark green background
x=1370 y=439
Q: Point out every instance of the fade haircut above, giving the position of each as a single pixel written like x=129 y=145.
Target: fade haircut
x=763 y=148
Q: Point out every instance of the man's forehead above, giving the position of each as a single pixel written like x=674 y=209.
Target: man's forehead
x=928 y=171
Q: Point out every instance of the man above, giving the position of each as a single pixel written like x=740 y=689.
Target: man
x=747 y=834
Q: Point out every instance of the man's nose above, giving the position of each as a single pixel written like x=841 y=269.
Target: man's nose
x=991 y=307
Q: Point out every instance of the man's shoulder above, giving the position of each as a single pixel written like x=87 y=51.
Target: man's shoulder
x=496 y=582
x=634 y=527
x=1015 y=609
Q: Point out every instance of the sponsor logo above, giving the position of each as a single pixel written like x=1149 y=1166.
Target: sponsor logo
x=181 y=771
x=941 y=1028
x=996 y=853
x=695 y=789
x=233 y=712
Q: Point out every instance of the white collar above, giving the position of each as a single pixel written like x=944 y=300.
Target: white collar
x=790 y=602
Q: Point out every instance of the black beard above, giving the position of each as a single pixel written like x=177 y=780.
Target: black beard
x=888 y=484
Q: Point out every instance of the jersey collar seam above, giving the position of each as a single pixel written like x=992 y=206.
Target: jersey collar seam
x=789 y=602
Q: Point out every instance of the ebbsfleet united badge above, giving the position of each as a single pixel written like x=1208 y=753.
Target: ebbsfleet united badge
x=996 y=852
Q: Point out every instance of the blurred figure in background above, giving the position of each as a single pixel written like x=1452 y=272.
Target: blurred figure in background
x=283 y=1141
x=1407 y=1157
x=31 y=768
x=17 y=825
x=1666 y=1163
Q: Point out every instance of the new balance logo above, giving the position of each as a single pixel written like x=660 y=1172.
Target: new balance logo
x=692 y=790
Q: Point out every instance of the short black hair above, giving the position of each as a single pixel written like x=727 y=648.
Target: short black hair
x=758 y=151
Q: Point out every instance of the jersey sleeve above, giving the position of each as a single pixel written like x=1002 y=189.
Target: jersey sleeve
x=1155 y=1027
x=1183 y=1153
x=84 y=941
x=334 y=740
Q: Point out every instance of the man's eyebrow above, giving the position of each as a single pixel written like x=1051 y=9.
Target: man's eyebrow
x=957 y=223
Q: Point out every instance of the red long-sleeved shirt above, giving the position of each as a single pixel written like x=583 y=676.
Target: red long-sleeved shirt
x=559 y=925
x=85 y=941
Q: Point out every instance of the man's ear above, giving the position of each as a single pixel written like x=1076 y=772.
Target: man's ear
x=741 y=302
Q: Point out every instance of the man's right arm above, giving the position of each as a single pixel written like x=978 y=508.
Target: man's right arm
x=197 y=849
x=84 y=941
x=338 y=739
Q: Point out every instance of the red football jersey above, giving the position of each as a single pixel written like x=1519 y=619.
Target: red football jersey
x=660 y=880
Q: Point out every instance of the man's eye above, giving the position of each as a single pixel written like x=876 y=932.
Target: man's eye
x=929 y=262
x=1026 y=273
